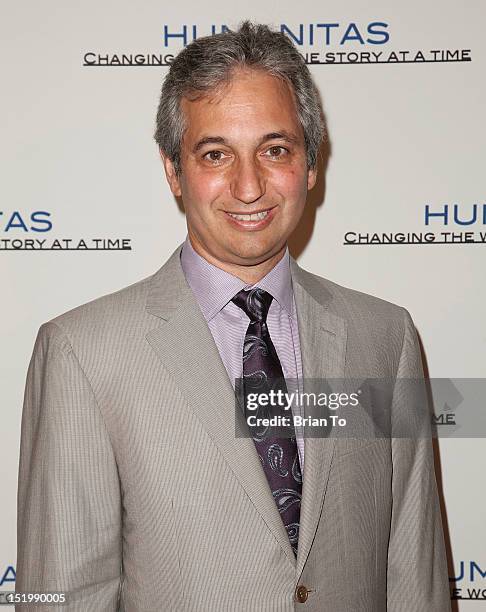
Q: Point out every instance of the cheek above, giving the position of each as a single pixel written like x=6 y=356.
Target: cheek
x=292 y=184
x=203 y=188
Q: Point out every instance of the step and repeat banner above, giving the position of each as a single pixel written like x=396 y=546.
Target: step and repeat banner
x=399 y=210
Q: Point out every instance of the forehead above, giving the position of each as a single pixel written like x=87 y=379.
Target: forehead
x=251 y=100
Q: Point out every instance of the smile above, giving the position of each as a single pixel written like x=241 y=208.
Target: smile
x=253 y=217
x=251 y=221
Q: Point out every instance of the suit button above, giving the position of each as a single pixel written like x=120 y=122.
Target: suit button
x=301 y=593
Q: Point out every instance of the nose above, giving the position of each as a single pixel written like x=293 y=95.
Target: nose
x=248 y=184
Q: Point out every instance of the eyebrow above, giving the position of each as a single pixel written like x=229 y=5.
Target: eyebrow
x=282 y=135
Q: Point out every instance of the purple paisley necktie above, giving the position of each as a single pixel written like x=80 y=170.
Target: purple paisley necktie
x=262 y=372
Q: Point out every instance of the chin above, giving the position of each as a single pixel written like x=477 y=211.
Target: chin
x=253 y=254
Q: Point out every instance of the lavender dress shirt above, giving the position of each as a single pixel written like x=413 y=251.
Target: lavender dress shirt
x=213 y=289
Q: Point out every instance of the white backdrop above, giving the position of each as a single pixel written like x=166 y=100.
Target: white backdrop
x=78 y=160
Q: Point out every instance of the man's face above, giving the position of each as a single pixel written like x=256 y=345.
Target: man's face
x=243 y=153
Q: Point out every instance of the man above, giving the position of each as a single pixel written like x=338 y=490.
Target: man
x=135 y=493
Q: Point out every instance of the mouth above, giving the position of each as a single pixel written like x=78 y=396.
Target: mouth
x=255 y=220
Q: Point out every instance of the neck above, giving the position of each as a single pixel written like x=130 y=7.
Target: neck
x=250 y=274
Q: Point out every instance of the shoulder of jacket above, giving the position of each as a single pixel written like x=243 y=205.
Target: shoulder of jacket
x=112 y=309
x=351 y=302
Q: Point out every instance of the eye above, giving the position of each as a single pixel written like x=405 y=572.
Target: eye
x=214 y=156
x=277 y=151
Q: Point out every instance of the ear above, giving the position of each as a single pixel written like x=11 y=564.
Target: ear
x=311 y=178
x=170 y=174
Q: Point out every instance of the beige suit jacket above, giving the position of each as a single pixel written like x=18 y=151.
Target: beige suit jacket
x=135 y=495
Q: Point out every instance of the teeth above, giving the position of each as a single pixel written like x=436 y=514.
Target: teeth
x=254 y=217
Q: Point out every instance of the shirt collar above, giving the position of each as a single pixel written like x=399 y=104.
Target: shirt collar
x=214 y=288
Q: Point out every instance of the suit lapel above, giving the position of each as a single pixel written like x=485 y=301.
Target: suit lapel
x=323 y=337
x=186 y=348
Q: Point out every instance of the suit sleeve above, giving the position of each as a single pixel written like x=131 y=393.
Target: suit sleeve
x=69 y=502
x=417 y=577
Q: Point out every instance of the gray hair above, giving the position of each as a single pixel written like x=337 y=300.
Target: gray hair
x=208 y=62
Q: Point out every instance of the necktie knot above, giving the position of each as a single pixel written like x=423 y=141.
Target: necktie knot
x=255 y=303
